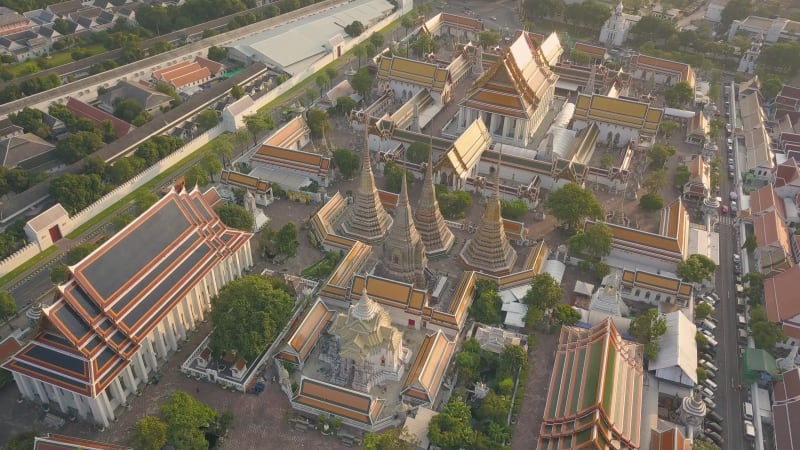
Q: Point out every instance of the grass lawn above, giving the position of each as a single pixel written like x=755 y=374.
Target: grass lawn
x=27 y=265
x=54 y=60
x=129 y=198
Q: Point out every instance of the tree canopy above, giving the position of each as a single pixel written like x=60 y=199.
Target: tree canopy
x=362 y=82
x=766 y=334
x=566 y=315
x=486 y=307
x=78 y=253
x=451 y=429
x=235 y=216
x=571 y=204
x=418 y=152
x=347 y=162
x=659 y=154
x=393 y=176
x=680 y=95
x=248 y=313
x=545 y=293
x=452 y=204
x=595 y=242
x=702 y=311
x=394 y=439
x=149 y=433
x=185 y=418
x=651 y=202
x=8 y=307
x=646 y=329
x=696 y=268
x=318 y=123
x=513 y=209
x=76 y=192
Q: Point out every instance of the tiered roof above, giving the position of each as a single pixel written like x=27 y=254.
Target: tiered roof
x=427 y=372
x=516 y=83
x=595 y=394
x=123 y=290
x=467 y=149
x=314 y=164
x=365 y=219
x=618 y=111
x=428 y=218
x=489 y=251
x=245 y=181
x=420 y=73
x=306 y=334
x=671 y=286
x=683 y=71
x=404 y=254
x=341 y=401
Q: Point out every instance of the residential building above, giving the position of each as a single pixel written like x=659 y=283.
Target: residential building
x=25 y=151
x=11 y=22
x=786 y=410
x=677 y=356
x=699 y=185
x=8 y=129
x=776 y=249
x=595 y=394
x=188 y=74
x=98 y=117
x=758 y=160
x=26 y=44
x=614 y=31
x=774 y=30
x=127 y=305
x=765 y=200
x=782 y=304
x=149 y=99
x=785 y=180
x=788 y=98
x=661 y=71
x=513 y=96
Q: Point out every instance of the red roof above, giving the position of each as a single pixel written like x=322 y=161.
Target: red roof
x=779 y=295
x=765 y=199
x=786 y=173
x=8 y=347
x=786 y=411
x=186 y=73
x=59 y=442
x=790 y=92
x=214 y=67
x=77 y=107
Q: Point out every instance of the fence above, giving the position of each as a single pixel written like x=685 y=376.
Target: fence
x=17 y=258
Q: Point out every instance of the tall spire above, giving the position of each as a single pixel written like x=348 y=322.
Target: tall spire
x=437 y=237
x=366 y=219
x=404 y=256
x=489 y=251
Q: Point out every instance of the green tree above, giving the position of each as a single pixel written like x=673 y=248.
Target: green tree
x=651 y=29
x=646 y=329
x=750 y=243
x=211 y=164
x=702 y=311
x=539 y=9
x=318 y=123
x=735 y=10
x=489 y=38
x=393 y=176
x=235 y=216
x=680 y=95
x=248 y=313
x=78 y=253
x=486 y=308
x=8 y=308
x=347 y=162
x=659 y=154
x=571 y=204
x=31 y=120
x=699 y=444
x=467 y=363
x=766 y=334
x=682 y=176
x=407 y=21
x=702 y=375
x=286 y=239
x=696 y=268
x=377 y=40
x=545 y=293
x=359 y=51
x=332 y=73
x=237 y=91
x=345 y=104
x=423 y=45
x=493 y=407
x=512 y=359
x=595 y=242
x=701 y=340
x=78 y=145
x=513 y=209
x=354 y=29
x=418 y=152
x=59 y=274
x=217 y=54
x=452 y=204
x=394 y=439
x=771 y=86
x=143 y=200
x=668 y=127
x=566 y=315
x=362 y=82
x=651 y=202
x=76 y=192
x=196 y=176
x=452 y=429
x=755 y=288
x=149 y=433
x=257 y=124
x=22 y=441
x=322 y=82
x=607 y=161
x=207 y=120
x=159 y=46
x=185 y=418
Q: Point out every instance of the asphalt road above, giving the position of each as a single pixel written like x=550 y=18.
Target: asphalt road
x=728 y=399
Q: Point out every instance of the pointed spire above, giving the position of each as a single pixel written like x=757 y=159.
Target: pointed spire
x=366 y=219
x=489 y=251
x=432 y=229
x=366 y=308
x=403 y=251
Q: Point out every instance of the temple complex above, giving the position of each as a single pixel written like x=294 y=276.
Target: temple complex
x=489 y=251
x=370 y=348
x=404 y=254
x=438 y=239
x=366 y=220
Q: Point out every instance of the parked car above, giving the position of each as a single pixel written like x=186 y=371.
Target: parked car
x=710 y=384
x=715 y=427
x=710 y=403
x=714 y=416
x=716 y=438
x=714 y=295
x=708 y=364
x=708 y=393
